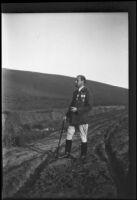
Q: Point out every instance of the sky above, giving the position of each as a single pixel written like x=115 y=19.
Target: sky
x=91 y=44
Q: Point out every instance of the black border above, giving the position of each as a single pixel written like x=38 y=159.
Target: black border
x=103 y=6
x=51 y=6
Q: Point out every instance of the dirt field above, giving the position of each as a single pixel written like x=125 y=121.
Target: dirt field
x=30 y=171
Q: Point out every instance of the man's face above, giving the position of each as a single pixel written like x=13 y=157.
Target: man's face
x=79 y=82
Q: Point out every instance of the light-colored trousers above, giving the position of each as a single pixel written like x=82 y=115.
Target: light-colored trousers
x=83 y=130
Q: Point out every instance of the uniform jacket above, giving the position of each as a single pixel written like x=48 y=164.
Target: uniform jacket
x=83 y=101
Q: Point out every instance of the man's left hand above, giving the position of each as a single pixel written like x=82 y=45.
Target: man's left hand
x=73 y=109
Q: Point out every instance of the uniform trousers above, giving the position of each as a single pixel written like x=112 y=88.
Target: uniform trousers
x=83 y=130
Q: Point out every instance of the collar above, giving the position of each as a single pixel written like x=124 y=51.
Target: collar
x=81 y=88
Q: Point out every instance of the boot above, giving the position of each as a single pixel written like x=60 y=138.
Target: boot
x=83 y=150
x=68 y=146
x=67 y=149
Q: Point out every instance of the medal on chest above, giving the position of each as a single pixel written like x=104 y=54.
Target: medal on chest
x=80 y=97
x=83 y=97
x=77 y=97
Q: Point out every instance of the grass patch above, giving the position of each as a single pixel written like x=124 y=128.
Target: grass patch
x=25 y=127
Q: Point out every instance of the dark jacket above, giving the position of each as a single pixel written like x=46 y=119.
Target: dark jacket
x=83 y=101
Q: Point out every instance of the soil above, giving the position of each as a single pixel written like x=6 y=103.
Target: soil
x=31 y=171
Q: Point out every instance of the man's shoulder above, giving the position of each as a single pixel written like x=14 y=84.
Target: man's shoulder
x=85 y=89
x=75 y=91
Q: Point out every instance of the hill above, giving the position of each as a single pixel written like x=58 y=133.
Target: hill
x=25 y=90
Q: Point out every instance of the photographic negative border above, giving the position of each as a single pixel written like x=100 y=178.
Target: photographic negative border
x=103 y=6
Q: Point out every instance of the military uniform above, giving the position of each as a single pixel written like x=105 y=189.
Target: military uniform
x=83 y=101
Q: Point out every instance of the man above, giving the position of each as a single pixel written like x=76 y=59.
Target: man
x=77 y=116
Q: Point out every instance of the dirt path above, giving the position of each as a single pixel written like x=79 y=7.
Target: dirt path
x=30 y=172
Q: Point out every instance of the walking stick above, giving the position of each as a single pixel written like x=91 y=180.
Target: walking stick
x=62 y=129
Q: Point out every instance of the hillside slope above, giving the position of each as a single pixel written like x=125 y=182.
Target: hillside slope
x=32 y=90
